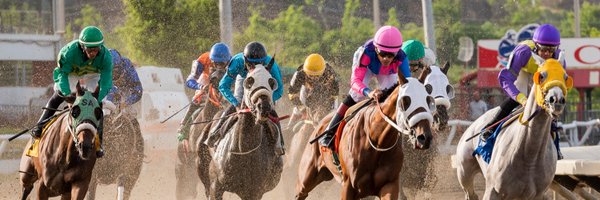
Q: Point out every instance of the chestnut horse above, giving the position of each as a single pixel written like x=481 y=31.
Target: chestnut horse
x=370 y=154
x=65 y=155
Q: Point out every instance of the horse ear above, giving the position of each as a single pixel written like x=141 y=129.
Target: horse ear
x=426 y=71
x=569 y=82
x=96 y=92
x=539 y=60
x=271 y=63
x=536 y=78
x=561 y=58
x=79 y=91
x=446 y=67
x=401 y=79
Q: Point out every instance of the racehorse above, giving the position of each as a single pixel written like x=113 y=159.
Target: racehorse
x=244 y=161
x=125 y=155
x=523 y=160
x=419 y=172
x=64 y=157
x=186 y=170
x=370 y=156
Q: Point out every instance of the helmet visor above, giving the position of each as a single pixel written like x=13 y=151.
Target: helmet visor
x=546 y=48
x=385 y=54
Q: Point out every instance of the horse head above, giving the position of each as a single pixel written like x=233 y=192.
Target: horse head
x=258 y=96
x=551 y=85
x=86 y=115
x=414 y=108
x=442 y=92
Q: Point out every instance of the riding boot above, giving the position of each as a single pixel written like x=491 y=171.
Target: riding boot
x=555 y=132
x=48 y=112
x=100 y=151
x=213 y=134
x=186 y=122
x=505 y=108
x=329 y=134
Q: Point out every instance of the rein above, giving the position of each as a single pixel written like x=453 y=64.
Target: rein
x=389 y=121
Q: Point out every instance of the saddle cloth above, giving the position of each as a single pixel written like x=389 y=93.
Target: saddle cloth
x=33 y=151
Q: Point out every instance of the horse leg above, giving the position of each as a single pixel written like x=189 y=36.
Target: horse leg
x=216 y=191
x=309 y=174
x=202 y=166
x=491 y=194
x=185 y=181
x=92 y=189
x=348 y=193
x=254 y=195
x=466 y=170
x=26 y=192
x=42 y=192
x=79 y=189
x=390 y=190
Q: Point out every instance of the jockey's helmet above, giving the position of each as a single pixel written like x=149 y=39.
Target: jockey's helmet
x=255 y=52
x=314 y=65
x=219 y=53
x=90 y=37
x=388 y=39
x=547 y=34
x=414 y=49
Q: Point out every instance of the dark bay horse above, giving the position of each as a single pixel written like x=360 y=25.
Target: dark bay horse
x=187 y=169
x=66 y=151
x=125 y=155
x=370 y=153
x=244 y=161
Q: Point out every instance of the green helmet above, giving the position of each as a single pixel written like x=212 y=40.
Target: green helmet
x=414 y=49
x=91 y=36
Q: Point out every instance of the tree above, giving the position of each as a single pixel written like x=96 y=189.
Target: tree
x=169 y=32
x=89 y=17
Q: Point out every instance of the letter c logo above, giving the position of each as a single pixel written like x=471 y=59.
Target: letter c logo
x=580 y=59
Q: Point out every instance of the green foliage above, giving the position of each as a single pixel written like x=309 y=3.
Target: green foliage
x=89 y=17
x=169 y=32
x=21 y=19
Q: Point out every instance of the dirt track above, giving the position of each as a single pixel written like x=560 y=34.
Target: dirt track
x=157 y=179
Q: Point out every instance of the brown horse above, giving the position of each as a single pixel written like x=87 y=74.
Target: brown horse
x=188 y=166
x=66 y=151
x=370 y=153
x=125 y=155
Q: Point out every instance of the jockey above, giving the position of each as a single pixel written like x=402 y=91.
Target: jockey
x=127 y=88
x=86 y=58
x=216 y=59
x=380 y=57
x=516 y=76
x=314 y=83
x=416 y=53
x=254 y=53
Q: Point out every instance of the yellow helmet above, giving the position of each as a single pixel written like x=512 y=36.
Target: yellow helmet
x=314 y=65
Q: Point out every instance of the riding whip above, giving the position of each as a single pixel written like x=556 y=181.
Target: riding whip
x=184 y=107
x=42 y=122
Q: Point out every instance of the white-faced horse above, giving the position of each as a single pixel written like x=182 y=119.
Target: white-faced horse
x=523 y=161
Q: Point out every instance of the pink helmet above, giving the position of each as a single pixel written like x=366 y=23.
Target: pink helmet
x=388 y=39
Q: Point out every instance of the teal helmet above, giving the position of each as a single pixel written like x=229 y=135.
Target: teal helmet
x=91 y=36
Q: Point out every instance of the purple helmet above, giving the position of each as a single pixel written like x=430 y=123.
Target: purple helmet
x=547 y=35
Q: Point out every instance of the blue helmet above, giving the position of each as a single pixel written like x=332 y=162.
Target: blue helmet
x=220 y=53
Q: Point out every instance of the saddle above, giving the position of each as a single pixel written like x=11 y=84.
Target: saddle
x=351 y=111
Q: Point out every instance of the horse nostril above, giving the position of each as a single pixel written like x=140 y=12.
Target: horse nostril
x=421 y=139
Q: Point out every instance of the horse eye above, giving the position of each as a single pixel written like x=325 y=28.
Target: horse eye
x=431 y=103
x=429 y=88
x=404 y=103
x=75 y=111
x=273 y=83
x=98 y=113
x=249 y=82
x=450 y=91
x=543 y=76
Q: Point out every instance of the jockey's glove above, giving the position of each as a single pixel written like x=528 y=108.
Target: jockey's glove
x=521 y=98
x=181 y=137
